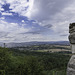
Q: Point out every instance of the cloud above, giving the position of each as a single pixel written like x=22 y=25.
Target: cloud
x=6 y=13
x=22 y=7
x=11 y=31
x=43 y=10
x=56 y=14
x=7 y=27
x=36 y=19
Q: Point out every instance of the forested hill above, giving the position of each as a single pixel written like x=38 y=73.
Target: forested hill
x=15 y=62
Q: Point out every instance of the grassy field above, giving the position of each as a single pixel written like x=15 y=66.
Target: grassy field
x=54 y=48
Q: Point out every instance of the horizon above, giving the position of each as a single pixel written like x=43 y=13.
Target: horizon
x=33 y=41
x=33 y=20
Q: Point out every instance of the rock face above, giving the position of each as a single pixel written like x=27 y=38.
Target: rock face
x=72 y=33
x=71 y=64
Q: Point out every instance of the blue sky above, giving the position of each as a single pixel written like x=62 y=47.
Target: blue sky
x=35 y=20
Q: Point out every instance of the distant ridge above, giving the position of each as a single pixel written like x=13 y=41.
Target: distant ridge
x=23 y=44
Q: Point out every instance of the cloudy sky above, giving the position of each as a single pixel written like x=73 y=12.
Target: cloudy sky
x=35 y=20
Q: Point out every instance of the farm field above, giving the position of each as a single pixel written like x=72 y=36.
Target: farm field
x=52 y=48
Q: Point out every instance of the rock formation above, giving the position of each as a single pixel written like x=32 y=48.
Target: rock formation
x=71 y=64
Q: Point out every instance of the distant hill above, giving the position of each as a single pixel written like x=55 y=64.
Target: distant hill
x=60 y=43
x=36 y=43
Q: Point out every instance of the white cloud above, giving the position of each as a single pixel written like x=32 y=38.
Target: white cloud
x=22 y=7
x=56 y=13
x=43 y=10
x=11 y=31
x=2 y=18
x=59 y=13
x=6 y=13
x=7 y=27
x=23 y=21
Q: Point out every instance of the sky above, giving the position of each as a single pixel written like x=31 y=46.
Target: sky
x=35 y=20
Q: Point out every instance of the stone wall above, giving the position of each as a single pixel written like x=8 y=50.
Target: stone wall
x=71 y=64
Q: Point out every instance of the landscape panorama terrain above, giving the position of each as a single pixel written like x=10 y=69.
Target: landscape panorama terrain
x=35 y=36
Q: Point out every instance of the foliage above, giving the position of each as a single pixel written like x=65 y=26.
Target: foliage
x=15 y=62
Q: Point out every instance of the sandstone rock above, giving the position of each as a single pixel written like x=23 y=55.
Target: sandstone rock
x=72 y=38
x=72 y=33
x=71 y=66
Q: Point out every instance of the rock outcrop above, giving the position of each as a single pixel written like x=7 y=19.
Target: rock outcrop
x=71 y=64
x=72 y=33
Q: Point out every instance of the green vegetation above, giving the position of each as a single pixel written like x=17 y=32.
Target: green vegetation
x=16 y=62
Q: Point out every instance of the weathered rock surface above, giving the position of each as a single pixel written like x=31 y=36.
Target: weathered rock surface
x=71 y=64
x=72 y=33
